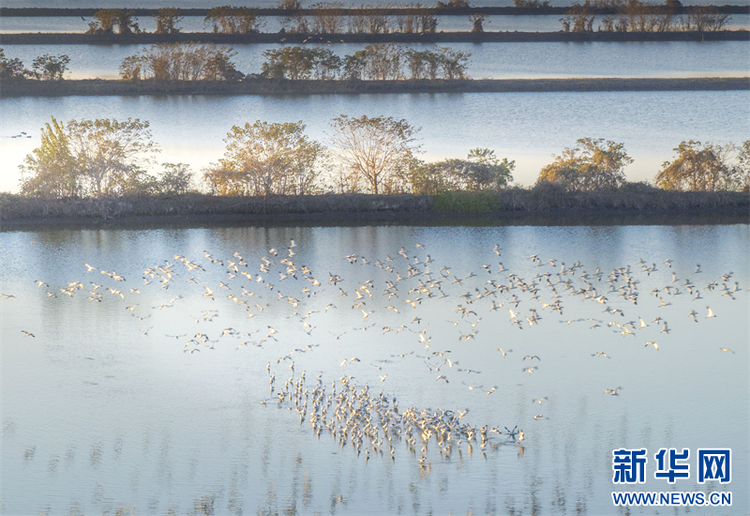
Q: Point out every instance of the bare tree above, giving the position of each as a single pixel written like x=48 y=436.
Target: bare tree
x=50 y=68
x=181 y=62
x=232 y=20
x=453 y=63
x=704 y=18
x=326 y=19
x=579 y=18
x=375 y=151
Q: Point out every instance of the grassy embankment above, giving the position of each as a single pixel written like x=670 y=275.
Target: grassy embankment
x=550 y=201
x=35 y=88
x=145 y=38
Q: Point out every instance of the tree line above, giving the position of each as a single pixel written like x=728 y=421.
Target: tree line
x=181 y=62
x=329 y=18
x=194 y=61
x=45 y=67
x=378 y=155
x=596 y=164
x=207 y=62
x=640 y=16
x=320 y=18
x=380 y=62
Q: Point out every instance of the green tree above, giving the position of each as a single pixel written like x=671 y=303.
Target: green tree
x=482 y=170
x=176 y=179
x=167 y=20
x=742 y=168
x=487 y=171
x=426 y=178
x=12 y=68
x=376 y=151
x=704 y=167
x=301 y=63
x=592 y=165
x=50 y=170
x=50 y=68
x=89 y=158
x=265 y=159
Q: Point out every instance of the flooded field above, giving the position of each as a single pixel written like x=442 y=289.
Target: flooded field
x=367 y=370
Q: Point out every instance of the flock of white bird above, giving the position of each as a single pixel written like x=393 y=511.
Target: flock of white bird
x=368 y=421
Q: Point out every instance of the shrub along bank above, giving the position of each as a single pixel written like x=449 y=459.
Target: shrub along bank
x=542 y=199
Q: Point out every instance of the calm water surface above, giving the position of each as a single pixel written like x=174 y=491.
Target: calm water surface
x=526 y=127
x=111 y=407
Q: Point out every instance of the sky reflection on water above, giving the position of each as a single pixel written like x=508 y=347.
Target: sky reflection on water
x=98 y=416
